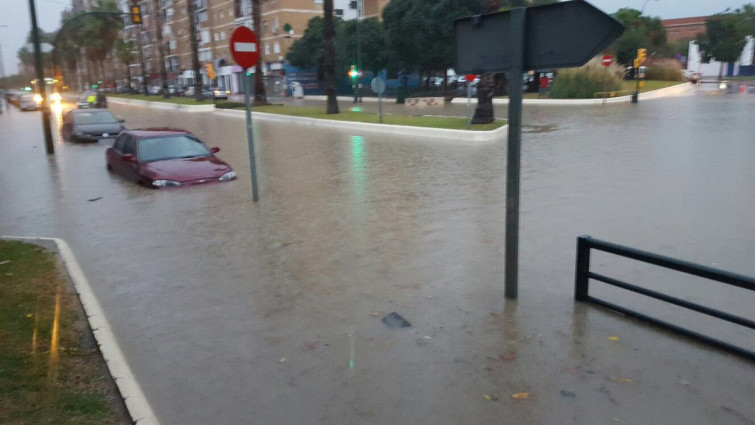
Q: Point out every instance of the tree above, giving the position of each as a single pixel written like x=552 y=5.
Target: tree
x=371 y=41
x=97 y=34
x=158 y=26
x=309 y=50
x=124 y=51
x=724 y=39
x=329 y=57
x=260 y=96
x=190 y=6
x=641 y=32
x=748 y=14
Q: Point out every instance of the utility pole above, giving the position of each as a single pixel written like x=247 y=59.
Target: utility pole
x=49 y=148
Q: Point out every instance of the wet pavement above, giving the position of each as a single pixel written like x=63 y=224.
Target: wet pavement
x=231 y=312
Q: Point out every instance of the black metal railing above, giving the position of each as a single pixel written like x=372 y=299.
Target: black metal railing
x=583 y=276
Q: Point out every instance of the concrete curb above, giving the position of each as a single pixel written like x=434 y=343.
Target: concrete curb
x=136 y=403
x=463 y=136
x=161 y=105
x=655 y=94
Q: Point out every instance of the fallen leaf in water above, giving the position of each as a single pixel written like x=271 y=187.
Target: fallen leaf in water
x=613 y=338
x=620 y=380
x=520 y=396
x=508 y=356
x=282 y=360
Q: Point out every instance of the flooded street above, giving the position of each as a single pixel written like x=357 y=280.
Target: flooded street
x=233 y=312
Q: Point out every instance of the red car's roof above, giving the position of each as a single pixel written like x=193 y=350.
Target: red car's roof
x=157 y=131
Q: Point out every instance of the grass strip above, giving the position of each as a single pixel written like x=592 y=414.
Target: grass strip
x=51 y=371
x=449 y=123
x=159 y=98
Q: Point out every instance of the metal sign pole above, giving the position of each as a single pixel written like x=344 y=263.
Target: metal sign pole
x=250 y=135
x=513 y=154
x=380 y=107
x=469 y=104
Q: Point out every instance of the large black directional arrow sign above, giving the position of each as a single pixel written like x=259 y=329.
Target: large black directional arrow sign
x=554 y=36
x=558 y=35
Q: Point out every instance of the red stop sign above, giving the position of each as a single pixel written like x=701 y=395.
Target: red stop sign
x=607 y=60
x=244 y=47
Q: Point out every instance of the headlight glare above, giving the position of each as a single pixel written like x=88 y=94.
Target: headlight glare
x=231 y=175
x=165 y=183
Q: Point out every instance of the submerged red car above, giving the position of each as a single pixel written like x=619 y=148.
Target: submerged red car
x=166 y=157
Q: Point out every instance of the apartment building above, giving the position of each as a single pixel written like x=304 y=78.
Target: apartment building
x=283 y=22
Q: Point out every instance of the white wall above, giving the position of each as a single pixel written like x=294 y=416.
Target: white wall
x=712 y=69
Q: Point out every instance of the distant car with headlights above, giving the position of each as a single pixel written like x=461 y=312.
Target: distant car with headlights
x=166 y=157
x=26 y=102
x=91 y=125
x=220 y=93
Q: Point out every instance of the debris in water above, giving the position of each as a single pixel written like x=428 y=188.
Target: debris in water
x=508 y=356
x=489 y=397
x=520 y=396
x=282 y=360
x=568 y=394
x=4 y=262
x=394 y=321
x=613 y=338
x=95 y=199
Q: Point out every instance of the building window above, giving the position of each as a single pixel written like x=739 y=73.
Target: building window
x=338 y=12
x=205 y=56
x=267 y=48
x=276 y=47
x=217 y=36
x=205 y=36
x=243 y=8
x=222 y=35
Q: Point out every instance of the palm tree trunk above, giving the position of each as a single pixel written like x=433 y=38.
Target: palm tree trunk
x=194 y=52
x=260 y=96
x=329 y=61
x=160 y=48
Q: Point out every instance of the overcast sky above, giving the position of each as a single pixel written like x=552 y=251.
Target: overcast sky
x=15 y=22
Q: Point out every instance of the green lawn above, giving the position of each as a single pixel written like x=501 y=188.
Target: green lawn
x=451 y=123
x=649 y=85
x=50 y=372
x=176 y=100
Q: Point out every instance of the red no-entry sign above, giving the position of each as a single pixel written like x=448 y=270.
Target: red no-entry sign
x=607 y=60
x=244 y=47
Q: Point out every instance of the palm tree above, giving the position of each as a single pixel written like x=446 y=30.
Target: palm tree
x=260 y=96
x=124 y=51
x=157 y=19
x=329 y=59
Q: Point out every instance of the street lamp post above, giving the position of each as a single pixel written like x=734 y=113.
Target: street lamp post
x=50 y=149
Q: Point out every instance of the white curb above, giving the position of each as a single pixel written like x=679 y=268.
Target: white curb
x=136 y=403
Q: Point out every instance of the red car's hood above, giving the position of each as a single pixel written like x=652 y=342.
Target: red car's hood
x=185 y=169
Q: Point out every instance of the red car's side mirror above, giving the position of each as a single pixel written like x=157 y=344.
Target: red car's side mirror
x=215 y=150
x=128 y=157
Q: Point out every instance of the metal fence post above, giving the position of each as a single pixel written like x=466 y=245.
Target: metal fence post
x=583 y=268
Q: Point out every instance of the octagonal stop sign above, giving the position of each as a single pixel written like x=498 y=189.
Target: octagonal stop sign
x=244 y=49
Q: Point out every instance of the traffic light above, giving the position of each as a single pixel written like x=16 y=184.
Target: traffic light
x=136 y=14
x=353 y=72
x=641 y=54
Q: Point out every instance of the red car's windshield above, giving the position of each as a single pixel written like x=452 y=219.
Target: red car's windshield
x=171 y=147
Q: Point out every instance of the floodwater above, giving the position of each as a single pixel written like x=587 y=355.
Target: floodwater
x=233 y=312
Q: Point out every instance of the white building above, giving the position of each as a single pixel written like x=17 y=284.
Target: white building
x=712 y=69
